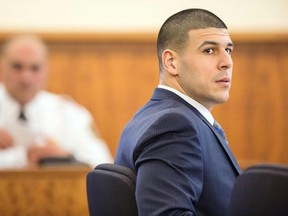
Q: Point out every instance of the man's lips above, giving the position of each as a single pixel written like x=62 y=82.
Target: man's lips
x=224 y=82
x=224 y=79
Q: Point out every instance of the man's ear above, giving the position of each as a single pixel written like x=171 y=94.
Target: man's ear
x=169 y=61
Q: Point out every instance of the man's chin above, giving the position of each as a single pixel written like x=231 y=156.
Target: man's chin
x=223 y=99
x=25 y=99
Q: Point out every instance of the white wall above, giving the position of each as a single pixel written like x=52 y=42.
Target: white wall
x=136 y=15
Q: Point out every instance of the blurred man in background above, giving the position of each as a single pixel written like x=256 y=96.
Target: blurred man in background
x=35 y=124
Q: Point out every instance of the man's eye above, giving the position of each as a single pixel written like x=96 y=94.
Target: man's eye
x=209 y=51
x=17 y=66
x=229 y=50
x=35 y=68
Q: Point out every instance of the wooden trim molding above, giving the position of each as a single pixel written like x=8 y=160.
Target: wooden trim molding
x=144 y=37
x=90 y=37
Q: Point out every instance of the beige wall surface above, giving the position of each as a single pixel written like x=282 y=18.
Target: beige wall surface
x=132 y=16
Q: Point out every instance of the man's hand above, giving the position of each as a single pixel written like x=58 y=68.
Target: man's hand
x=6 y=140
x=50 y=149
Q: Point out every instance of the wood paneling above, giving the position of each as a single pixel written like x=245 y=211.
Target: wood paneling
x=113 y=75
x=58 y=191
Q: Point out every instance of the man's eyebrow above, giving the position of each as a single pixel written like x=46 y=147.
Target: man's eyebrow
x=230 y=44
x=214 y=43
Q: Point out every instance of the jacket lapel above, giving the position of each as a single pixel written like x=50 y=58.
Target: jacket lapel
x=165 y=94
x=224 y=145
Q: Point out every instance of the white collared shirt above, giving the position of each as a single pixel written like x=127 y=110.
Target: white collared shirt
x=205 y=112
x=56 y=117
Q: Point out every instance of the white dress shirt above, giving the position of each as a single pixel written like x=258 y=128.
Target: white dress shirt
x=205 y=112
x=54 y=116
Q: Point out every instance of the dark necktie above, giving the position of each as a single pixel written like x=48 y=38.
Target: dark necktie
x=22 y=116
x=220 y=131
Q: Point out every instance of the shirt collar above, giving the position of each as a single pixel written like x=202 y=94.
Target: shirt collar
x=14 y=105
x=205 y=112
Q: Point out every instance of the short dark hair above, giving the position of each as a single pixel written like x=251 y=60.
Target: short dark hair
x=174 y=32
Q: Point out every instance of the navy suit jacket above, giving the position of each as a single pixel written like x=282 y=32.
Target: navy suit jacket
x=183 y=166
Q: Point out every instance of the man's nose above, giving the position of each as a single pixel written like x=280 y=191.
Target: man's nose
x=26 y=74
x=226 y=61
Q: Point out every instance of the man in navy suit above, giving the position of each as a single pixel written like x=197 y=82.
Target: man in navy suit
x=184 y=165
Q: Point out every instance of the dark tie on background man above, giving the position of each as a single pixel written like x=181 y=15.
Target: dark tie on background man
x=219 y=129
x=22 y=116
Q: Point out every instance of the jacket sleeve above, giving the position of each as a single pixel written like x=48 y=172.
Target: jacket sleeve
x=81 y=138
x=169 y=168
